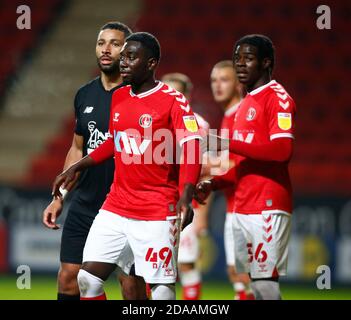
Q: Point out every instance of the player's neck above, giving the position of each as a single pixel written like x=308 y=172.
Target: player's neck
x=235 y=100
x=143 y=87
x=110 y=81
x=259 y=83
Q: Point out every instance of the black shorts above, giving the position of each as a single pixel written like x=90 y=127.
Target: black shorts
x=74 y=235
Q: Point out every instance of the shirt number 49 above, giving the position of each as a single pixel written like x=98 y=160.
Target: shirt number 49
x=165 y=255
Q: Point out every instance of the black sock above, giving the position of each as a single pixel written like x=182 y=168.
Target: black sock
x=62 y=296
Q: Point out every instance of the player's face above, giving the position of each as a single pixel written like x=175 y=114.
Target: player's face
x=249 y=68
x=224 y=84
x=134 y=65
x=108 y=46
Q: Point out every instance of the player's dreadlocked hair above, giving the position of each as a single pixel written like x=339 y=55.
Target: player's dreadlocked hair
x=264 y=45
x=149 y=42
x=116 y=25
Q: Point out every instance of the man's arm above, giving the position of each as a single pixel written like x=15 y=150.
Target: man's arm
x=279 y=150
x=66 y=178
x=54 y=209
x=192 y=169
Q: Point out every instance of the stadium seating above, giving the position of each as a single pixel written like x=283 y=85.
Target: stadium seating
x=312 y=64
x=15 y=43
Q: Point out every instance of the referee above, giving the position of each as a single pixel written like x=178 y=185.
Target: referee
x=92 y=113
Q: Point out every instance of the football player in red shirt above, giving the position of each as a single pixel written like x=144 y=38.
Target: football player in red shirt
x=138 y=221
x=262 y=143
x=227 y=92
x=92 y=113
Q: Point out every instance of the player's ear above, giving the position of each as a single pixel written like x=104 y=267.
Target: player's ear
x=266 y=63
x=152 y=63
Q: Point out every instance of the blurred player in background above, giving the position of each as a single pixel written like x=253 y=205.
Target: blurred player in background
x=92 y=113
x=138 y=220
x=263 y=146
x=189 y=247
x=227 y=92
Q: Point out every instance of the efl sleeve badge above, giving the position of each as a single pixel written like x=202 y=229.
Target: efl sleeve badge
x=284 y=120
x=190 y=123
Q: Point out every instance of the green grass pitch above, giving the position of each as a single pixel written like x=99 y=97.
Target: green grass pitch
x=44 y=288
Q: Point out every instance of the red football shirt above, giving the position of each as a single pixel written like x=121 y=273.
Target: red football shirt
x=266 y=113
x=227 y=126
x=145 y=129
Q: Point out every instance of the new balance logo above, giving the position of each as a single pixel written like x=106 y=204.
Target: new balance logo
x=88 y=109
x=130 y=145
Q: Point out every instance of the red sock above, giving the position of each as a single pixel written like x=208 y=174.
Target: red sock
x=148 y=290
x=100 y=297
x=192 y=292
x=240 y=295
x=250 y=296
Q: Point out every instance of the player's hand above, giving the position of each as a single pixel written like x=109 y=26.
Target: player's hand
x=187 y=214
x=202 y=191
x=51 y=213
x=214 y=143
x=184 y=207
x=65 y=180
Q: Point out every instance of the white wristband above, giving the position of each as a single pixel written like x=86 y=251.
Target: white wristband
x=63 y=192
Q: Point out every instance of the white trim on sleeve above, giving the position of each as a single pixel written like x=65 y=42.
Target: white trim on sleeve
x=281 y=135
x=182 y=141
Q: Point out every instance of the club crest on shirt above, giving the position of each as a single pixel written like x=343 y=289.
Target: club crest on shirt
x=190 y=123
x=251 y=113
x=284 y=120
x=145 y=121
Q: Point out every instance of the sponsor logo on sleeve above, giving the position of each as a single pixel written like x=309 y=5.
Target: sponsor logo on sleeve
x=284 y=120
x=190 y=123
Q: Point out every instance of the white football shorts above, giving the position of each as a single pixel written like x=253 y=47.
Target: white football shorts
x=188 y=245
x=229 y=240
x=151 y=245
x=261 y=243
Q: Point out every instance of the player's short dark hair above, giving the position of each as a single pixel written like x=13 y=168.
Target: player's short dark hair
x=149 y=42
x=264 y=45
x=116 y=25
